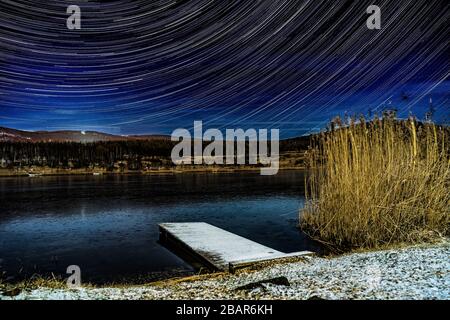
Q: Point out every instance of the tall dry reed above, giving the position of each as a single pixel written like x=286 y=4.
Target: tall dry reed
x=378 y=183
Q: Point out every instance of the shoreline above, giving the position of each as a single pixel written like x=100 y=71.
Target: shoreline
x=63 y=172
x=411 y=272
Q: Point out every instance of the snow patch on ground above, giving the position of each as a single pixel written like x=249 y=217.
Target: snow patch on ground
x=421 y=272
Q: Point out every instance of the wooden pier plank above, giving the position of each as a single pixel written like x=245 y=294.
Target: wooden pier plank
x=217 y=246
x=235 y=265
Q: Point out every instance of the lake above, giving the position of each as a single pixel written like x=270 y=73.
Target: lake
x=107 y=224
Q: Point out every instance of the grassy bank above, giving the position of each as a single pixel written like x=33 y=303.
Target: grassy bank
x=378 y=183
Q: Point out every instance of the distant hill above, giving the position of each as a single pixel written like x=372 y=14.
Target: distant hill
x=13 y=135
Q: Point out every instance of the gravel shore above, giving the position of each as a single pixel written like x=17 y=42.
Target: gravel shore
x=419 y=272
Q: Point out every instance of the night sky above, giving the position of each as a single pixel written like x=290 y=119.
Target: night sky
x=140 y=66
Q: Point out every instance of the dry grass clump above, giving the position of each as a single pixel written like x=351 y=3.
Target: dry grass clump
x=378 y=183
x=34 y=282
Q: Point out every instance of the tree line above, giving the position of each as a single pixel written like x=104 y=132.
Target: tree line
x=81 y=155
x=134 y=154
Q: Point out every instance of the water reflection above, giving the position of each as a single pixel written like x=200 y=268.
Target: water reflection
x=108 y=224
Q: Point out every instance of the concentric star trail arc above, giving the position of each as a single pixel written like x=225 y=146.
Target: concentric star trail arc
x=142 y=66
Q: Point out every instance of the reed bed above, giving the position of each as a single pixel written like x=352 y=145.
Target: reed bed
x=378 y=183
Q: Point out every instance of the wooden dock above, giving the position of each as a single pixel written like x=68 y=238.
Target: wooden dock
x=218 y=248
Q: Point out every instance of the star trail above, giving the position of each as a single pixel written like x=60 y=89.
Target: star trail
x=144 y=66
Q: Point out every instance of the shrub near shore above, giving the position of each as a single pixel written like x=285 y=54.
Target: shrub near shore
x=378 y=183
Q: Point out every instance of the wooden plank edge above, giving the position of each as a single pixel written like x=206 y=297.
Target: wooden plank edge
x=241 y=264
x=171 y=239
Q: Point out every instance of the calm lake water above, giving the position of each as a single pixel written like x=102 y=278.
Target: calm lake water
x=107 y=225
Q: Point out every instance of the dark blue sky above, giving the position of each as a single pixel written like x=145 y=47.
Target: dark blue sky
x=140 y=67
